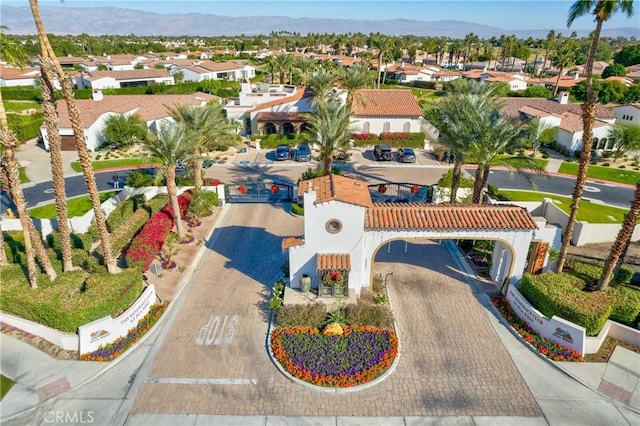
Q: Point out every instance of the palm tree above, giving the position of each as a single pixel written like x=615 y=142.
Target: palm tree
x=55 y=153
x=622 y=240
x=353 y=79
x=382 y=44
x=80 y=145
x=305 y=65
x=450 y=116
x=322 y=84
x=551 y=42
x=32 y=240
x=331 y=130
x=13 y=54
x=564 y=58
x=602 y=10
x=209 y=129
x=283 y=64
x=494 y=134
x=172 y=144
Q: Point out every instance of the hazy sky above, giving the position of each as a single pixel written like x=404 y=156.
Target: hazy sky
x=513 y=14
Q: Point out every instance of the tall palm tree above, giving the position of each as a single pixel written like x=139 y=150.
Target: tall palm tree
x=208 y=127
x=322 y=84
x=565 y=57
x=551 y=42
x=283 y=64
x=171 y=144
x=13 y=54
x=622 y=240
x=33 y=241
x=80 y=144
x=450 y=116
x=331 y=130
x=382 y=44
x=353 y=79
x=494 y=134
x=602 y=10
x=305 y=65
x=55 y=156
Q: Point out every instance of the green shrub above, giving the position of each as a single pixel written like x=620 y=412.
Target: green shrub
x=123 y=212
x=364 y=314
x=445 y=181
x=277 y=296
x=626 y=305
x=562 y=295
x=72 y=300
x=624 y=275
x=273 y=140
x=297 y=209
x=310 y=315
x=605 y=164
x=545 y=154
x=139 y=179
x=202 y=203
x=398 y=139
x=590 y=273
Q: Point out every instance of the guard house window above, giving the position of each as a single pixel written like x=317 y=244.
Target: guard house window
x=333 y=226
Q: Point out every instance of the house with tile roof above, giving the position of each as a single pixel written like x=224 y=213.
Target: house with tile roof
x=344 y=229
x=566 y=117
x=378 y=111
x=13 y=76
x=208 y=70
x=98 y=80
x=515 y=80
x=152 y=109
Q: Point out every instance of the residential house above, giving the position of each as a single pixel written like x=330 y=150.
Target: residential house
x=515 y=80
x=69 y=61
x=378 y=111
x=152 y=109
x=13 y=76
x=118 y=62
x=624 y=80
x=633 y=72
x=566 y=117
x=628 y=114
x=208 y=70
x=121 y=79
x=565 y=82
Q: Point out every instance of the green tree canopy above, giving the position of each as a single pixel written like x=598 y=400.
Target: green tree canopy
x=124 y=130
x=629 y=55
x=614 y=70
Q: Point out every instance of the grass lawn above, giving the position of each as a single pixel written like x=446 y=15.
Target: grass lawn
x=5 y=385
x=587 y=211
x=76 y=207
x=612 y=174
x=125 y=162
x=522 y=163
x=20 y=106
x=23 y=175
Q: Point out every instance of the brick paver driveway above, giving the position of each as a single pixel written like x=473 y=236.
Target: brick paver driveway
x=214 y=359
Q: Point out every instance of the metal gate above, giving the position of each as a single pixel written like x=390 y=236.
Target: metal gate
x=258 y=192
x=401 y=193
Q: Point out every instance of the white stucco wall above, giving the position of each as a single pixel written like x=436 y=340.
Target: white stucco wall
x=630 y=113
x=376 y=124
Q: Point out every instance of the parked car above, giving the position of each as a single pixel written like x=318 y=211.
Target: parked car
x=207 y=163
x=283 y=152
x=406 y=155
x=382 y=152
x=303 y=153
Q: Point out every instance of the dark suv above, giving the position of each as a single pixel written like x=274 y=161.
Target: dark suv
x=382 y=152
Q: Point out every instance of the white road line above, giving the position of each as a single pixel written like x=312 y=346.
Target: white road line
x=194 y=381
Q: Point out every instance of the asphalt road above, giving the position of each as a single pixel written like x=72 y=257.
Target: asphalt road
x=620 y=196
x=290 y=172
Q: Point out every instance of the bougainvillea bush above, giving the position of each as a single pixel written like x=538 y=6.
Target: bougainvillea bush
x=360 y=355
x=115 y=349
x=545 y=346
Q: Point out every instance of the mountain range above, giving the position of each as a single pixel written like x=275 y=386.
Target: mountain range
x=119 y=21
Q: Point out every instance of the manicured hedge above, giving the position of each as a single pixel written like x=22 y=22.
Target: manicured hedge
x=123 y=211
x=273 y=140
x=394 y=139
x=561 y=295
x=626 y=305
x=72 y=300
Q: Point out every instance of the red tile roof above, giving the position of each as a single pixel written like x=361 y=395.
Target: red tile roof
x=288 y=242
x=337 y=188
x=339 y=262
x=448 y=217
x=129 y=74
x=386 y=103
x=511 y=107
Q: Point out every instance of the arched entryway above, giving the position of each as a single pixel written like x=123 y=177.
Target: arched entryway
x=270 y=129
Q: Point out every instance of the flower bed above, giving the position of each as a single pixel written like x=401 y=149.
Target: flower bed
x=546 y=347
x=115 y=349
x=360 y=355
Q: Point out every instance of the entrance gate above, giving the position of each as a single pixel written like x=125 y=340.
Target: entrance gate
x=258 y=192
